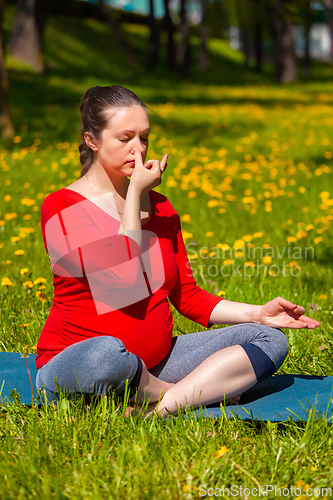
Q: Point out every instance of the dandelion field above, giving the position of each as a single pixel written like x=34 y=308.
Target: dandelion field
x=250 y=173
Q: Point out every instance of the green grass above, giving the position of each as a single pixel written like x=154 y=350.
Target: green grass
x=227 y=131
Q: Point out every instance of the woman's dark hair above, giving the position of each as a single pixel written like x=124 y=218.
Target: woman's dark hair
x=94 y=106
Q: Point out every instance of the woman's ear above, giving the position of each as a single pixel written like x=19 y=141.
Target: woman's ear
x=90 y=141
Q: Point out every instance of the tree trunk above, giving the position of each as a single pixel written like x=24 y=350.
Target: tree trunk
x=285 y=56
x=183 y=53
x=258 y=22
x=307 y=56
x=328 y=10
x=204 y=36
x=258 y=46
x=117 y=31
x=26 y=39
x=171 y=52
x=245 y=46
x=153 y=38
x=5 y=121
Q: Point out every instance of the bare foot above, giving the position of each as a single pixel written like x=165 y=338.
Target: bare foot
x=234 y=400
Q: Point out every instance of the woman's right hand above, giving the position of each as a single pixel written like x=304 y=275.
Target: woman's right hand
x=146 y=177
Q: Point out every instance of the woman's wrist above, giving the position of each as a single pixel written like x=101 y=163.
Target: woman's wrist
x=256 y=314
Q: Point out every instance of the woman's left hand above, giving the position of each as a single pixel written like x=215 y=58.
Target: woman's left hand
x=281 y=313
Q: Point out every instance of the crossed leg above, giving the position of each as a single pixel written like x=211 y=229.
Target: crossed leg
x=211 y=366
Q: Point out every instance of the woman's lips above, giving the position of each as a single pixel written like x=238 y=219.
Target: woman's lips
x=132 y=163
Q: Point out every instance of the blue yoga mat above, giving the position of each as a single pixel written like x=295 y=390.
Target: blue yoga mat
x=276 y=399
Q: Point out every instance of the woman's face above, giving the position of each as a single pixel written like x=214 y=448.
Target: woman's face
x=128 y=129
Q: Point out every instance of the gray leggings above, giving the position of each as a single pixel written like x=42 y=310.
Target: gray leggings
x=100 y=364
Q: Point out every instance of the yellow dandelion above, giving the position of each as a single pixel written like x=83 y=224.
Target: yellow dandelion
x=186 y=487
x=209 y=234
x=323 y=296
x=28 y=283
x=25 y=270
x=6 y=282
x=2 y=222
x=301 y=234
x=238 y=244
x=293 y=263
x=223 y=246
x=265 y=245
x=291 y=239
x=25 y=325
x=258 y=234
x=15 y=238
x=10 y=216
x=39 y=280
x=194 y=256
x=267 y=259
x=221 y=292
x=7 y=197
x=27 y=217
x=220 y=452
x=17 y=139
x=8 y=262
x=42 y=296
x=318 y=240
x=272 y=273
x=228 y=262
x=239 y=254
x=309 y=227
x=247 y=237
x=249 y=264
x=204 y=250
x=324 y=195
x=186 y=218
x=19 y=252
x=191 y=194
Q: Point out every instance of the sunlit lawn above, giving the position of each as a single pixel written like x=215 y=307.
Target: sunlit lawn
x=250 y=173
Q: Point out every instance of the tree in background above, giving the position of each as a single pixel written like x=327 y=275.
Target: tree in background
x=154 y=37
x=183 y=51
x=5 y=122
x=284 y=53
x=204 y=36
x=328 y=10
x=245 y=23
x=168 y=24
x=108 y=16
x=258 y=20
x=27 y=35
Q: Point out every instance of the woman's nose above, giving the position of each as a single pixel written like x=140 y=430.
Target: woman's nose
x=137 y=145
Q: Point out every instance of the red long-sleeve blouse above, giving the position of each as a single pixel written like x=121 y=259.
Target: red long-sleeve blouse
x=106 y=284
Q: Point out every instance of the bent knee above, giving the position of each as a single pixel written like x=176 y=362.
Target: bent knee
x=278 y=345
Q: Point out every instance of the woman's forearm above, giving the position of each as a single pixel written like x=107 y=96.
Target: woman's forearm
x=228 y=312
x=131 y=221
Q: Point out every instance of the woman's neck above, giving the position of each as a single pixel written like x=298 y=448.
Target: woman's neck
x=103 y=183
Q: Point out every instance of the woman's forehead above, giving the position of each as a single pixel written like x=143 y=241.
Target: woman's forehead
x=131 y=118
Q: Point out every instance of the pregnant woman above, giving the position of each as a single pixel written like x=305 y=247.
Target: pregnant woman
x=117 y=254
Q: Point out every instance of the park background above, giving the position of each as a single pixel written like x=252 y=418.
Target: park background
x=247 y=122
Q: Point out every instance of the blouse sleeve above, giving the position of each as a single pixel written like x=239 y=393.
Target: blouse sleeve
x=186 y=296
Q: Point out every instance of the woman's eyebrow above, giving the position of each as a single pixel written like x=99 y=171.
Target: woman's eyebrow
x=133 y=131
